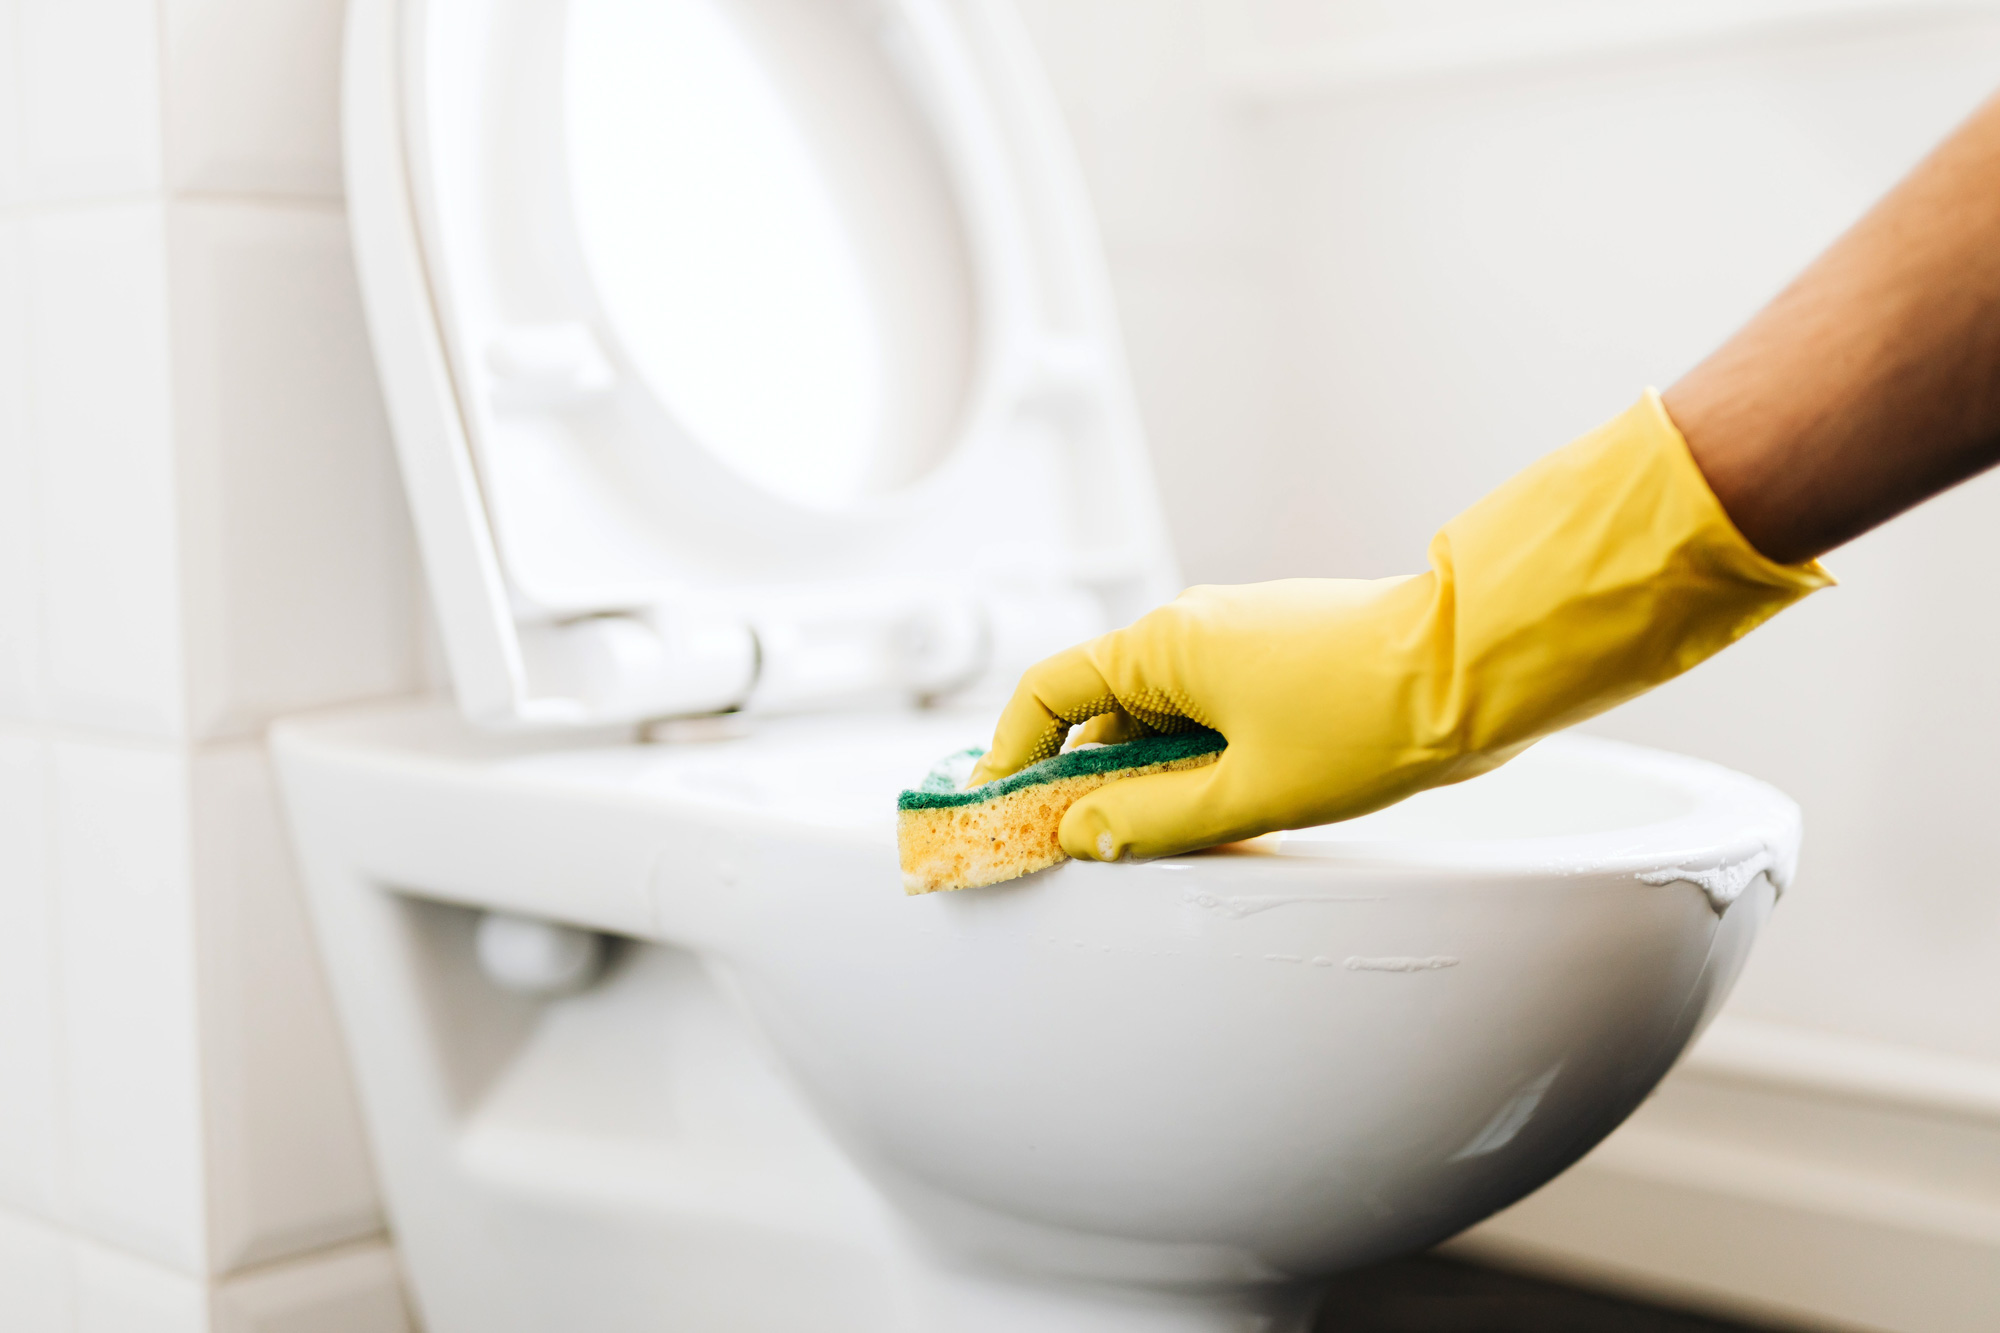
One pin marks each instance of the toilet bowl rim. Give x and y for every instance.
(1734, 821)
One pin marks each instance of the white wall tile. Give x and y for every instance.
(128, 998)
(20, 577)
(288, 1168)
(12, 185)
(101, 426)
(253, 96)
(90, 97)
(298, 571)
(116, 1293)
(35, 1278)
(354, 1290)
(32, 1152)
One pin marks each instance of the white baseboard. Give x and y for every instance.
(1789, 1175)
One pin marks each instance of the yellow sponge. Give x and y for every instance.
(949, 838)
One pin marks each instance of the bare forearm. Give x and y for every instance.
(1873, 381)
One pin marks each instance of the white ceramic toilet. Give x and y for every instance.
(762, 414)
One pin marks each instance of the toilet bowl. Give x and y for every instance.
(1168, 1095)
(712, 334)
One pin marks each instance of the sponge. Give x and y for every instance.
(950, 838)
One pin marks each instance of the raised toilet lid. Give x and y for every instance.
(740, 353)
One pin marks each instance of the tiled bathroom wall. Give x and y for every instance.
(200, 528)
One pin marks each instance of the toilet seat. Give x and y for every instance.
(592, 555)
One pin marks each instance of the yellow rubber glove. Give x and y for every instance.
(1601, 571)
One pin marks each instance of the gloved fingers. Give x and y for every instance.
(1054, 695)
(1160, 814)
(1113, 728)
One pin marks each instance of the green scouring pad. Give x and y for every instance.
(949, 837)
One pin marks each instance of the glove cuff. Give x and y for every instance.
(1729, 543)
(1604, 569)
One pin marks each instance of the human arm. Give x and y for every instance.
(1872, 382)
(1603, 570)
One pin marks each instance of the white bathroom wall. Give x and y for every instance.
(1373, 258)
(1191, 233)
(199, 529)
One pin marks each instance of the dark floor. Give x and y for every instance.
(1430, 1295)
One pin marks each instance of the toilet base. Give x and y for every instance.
(954, 1301)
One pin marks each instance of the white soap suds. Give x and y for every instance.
(1725, 883)
(956, 770)
(1434, 963)
(1242, 905)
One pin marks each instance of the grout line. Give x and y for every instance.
(314, 203)
(70, 1233)
(33, 208)
(162, 90)
(378, 1239)
(49, 730)
(28, 209)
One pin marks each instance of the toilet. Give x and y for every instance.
(761, 409)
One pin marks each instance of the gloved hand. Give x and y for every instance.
(1601, 571)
